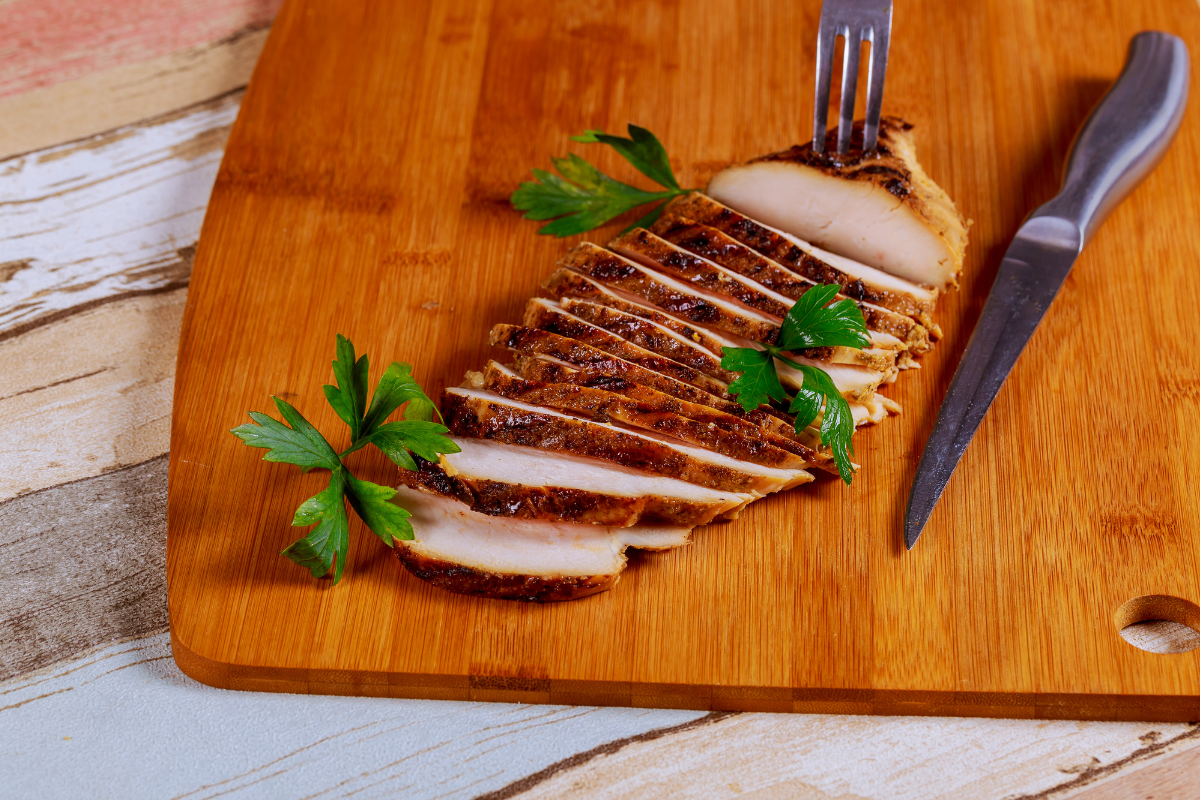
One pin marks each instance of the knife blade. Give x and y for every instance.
(1121, 141)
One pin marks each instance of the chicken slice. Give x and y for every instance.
(881, 208)
(533, 342)
(463, 551)
(605, 406)
(644, 247)
(486, 415)
(773, 430)
(673, 296)
(688, 364)
(722, 249)
(504, 480)
(858, 281)
(569, 283)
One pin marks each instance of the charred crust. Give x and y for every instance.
(526, 588)
(854, 163)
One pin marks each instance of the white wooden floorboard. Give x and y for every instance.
(114, 214)
(124, 722)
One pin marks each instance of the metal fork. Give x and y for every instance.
(857, 21)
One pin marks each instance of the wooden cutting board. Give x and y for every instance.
(365, 191)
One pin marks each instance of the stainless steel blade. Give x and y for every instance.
(1033, 270)
(1120, 143)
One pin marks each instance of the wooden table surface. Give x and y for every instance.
(113, 118)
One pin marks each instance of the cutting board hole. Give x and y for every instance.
(1159, 623)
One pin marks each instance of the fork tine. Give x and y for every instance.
(826, 40)
(849, 89)
(877, 69)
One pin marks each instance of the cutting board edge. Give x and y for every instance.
(698, 697)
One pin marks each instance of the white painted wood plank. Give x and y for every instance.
(88, 394)
(869, 758)
(123, 722)
(112, 215)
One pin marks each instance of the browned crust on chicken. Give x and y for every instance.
(722, 249)
(614, 271)
(528, 588)
(480, 418)
(605, 406)
(541, 317)
(705, 210)
(645, 334)
(775, 431)
(558, 503)
(568, 283)
(893, 167)
(658, 254)
(531, 341)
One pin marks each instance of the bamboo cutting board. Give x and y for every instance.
(365, 191)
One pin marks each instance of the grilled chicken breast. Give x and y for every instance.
(503, 480)
(485, 415)
(463, 551)
(615, 427)
(881, 208)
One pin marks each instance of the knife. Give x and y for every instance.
(1120, 143)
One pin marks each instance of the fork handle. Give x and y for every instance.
(1126, 134)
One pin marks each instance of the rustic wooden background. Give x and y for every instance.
(112, 122)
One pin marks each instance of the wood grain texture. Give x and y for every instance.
(51, 41)
(369, 173)
(90, 562)
(128, 93)
(132, 201)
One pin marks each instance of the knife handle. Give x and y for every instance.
(1126, 134)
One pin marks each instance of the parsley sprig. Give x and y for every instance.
(299, 442)
(585, 198)
(809, 323)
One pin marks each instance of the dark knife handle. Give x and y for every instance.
(1127, 133)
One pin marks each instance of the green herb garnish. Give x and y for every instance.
(588, 198)
(809, 323)
(299, 443)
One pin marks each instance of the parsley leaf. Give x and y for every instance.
(585, 198)
(386, 520)
(396, 387)
(326, 545)
(331, 538)
(837, 424)
(642, 149)
(301, 444)
(809, 323)
(759, 382)
(426, 439)
(349, 397)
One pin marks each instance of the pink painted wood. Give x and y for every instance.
(44, 42)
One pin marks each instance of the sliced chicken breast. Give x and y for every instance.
(675, 297)
(858, 281)
(486, 415)
(722, 249)
(880, 209)
(463, 551)
(605, 406)
(504, 480)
